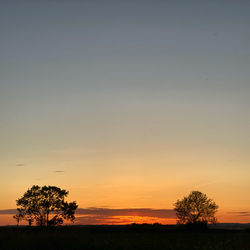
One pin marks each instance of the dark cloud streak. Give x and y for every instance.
(241, 213)
(143, 212)
(8, 211)
(107, 212)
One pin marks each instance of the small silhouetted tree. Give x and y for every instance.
(17, 217)
(196, 208)
(46, 206)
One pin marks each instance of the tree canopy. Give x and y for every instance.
(46, 206)
(196, 208)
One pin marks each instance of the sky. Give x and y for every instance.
(126, 104)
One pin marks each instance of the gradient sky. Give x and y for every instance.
(126, 104)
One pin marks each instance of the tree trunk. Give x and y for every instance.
(47, 218)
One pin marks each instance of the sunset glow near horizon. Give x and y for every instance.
(127, 105)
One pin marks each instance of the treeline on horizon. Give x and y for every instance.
(46, 207)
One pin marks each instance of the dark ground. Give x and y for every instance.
(121, 238)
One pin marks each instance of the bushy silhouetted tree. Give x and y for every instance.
(196, 208)
(46, 206)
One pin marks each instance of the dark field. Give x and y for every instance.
(121, 237)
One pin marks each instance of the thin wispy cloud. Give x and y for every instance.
(241, 213)
(59, 171)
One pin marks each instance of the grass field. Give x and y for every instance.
(121, 238)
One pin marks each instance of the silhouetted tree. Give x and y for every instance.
(46, 206)
(196, 208)
(17, 217)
